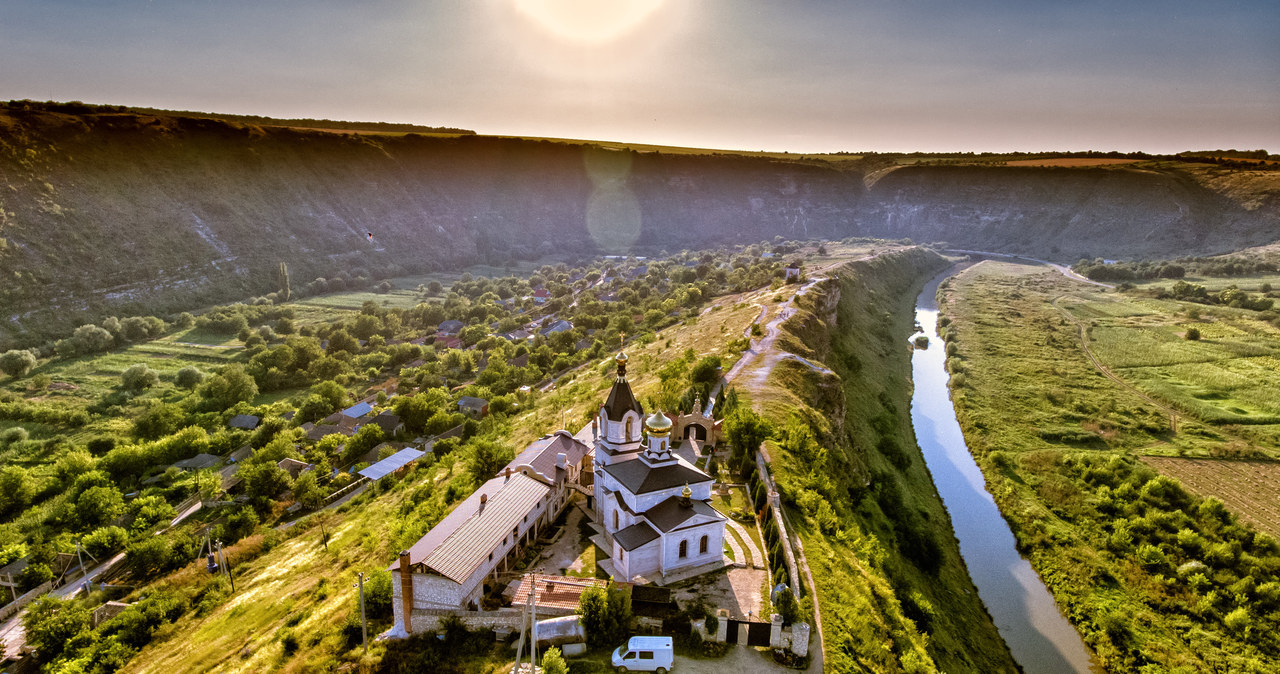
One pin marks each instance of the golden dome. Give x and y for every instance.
(658, 423)
(686, 492)
(620, 358)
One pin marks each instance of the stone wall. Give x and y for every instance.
(425, 620)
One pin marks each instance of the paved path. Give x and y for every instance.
(13, 635)
(742, 659)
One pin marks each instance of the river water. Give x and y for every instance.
(1039, 637)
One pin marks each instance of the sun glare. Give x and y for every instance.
(589, 22)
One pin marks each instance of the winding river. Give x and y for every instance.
(1028, 619)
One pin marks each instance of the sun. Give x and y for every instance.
(588, 22)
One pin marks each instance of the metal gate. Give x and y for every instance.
(748, 632)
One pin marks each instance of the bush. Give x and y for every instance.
(553, 662)
(17, 363)
(13, 435)
(138, 377)
(34, 576)
(189, 377)
(1193, 334)
(377, 595)
(104, 541)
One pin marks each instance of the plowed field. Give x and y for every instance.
(1251, 489)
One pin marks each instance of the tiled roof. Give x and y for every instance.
(457, 555)
(553, 592)
(641, 478)
(635, 536)
(540, 455)
(670, 515)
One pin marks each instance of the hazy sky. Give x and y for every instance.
(794, 75)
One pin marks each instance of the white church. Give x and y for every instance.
(653, 506)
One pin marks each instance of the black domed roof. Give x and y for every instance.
(620, 397)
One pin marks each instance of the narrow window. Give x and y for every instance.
(615, 519)
(627, 437)
(684, 549)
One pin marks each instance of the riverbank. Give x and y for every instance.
(1154, 578)
(891, 584)
(1039, 636)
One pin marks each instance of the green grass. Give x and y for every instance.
(851, 533)
(1055, 440)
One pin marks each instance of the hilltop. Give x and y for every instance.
(107, 211)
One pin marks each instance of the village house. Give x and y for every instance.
(450, 327)
(474, 407)
(244, 422)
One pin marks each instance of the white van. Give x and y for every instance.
(645, 654)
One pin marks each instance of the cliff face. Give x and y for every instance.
(124, 212)
(122, 208)
(1068, 213)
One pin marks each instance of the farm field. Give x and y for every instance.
(1071, 161)
(1228, 379)
(1068, 454)
(1249, 488)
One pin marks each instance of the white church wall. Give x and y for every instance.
(671, 560)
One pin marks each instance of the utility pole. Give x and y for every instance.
(533, 623)
(364, 626)
(226, 565)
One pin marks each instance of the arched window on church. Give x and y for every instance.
(702, 545)
(684, 549)
(615, 519)
(627, 437)
(662, 446)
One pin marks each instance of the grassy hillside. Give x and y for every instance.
(892, 588)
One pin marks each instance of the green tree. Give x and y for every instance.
(149, 511)
(1193, 334)
(104, 541)
(35, 575)
(17, 363)
(150, 555)
(98, 505)
(487, 458)
(86, 339)
(745, 430)
(341, 340)
(189, 377)
(263, 481)
(605, 614)
(307, 491)
(51, 623)
(365, 439)
(314, 408)
(138, 377)
(282, 278)
(158, 421)
(16, 489)
(230, 386)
